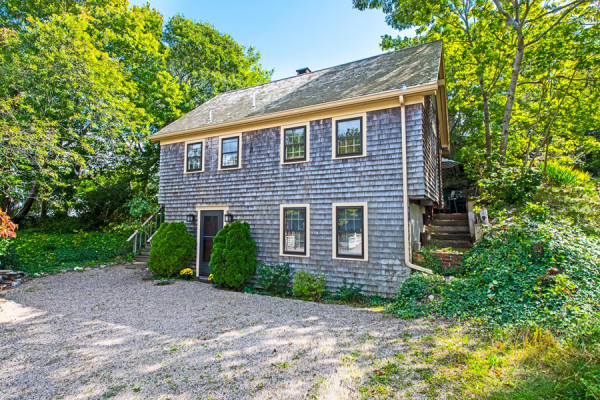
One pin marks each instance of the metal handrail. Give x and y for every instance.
(145, 232)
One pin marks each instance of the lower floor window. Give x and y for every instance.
(350, 231)
(294, 230)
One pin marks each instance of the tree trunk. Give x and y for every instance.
(512, 89)
(486, 121)
(7, 204)
(43, 212)
(28, 203)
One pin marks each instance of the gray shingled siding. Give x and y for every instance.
(431, 150)
(254, 194)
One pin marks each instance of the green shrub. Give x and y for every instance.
(233, 260)
(33, 252)
(172, 249)
(308, 286)
(349, 292)
(274, 278)
(531, 274)
(510, 185)
(414, 296)
(566, 175)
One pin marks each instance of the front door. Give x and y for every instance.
(211, 222)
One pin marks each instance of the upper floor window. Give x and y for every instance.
(295, 230)
(350, 237)
(194, 157)
(294, 144)
(349, 137)
(230, 152)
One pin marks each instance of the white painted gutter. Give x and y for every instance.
(405, 201)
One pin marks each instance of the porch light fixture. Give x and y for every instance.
(228, 217)
(191, 217)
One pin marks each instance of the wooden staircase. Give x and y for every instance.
(451, 230)
(141, 260)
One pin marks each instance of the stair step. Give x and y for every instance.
(451, 217)
(142, 258)
(456, 244)
(145, 253)
(140, 263)
(451, 222)
(451, 236)
(451, 229)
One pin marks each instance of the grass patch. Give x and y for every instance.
(33, 252)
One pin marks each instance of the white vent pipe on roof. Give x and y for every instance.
(253, 100)
(405, 201)
(209, 116)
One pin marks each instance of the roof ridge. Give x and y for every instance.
(328, 68)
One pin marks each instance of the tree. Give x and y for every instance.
(501, 97)
(84, 82)
(208, 62)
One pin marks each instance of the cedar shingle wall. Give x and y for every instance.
(254, 194)
(431, 150)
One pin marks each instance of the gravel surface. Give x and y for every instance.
(108, 333)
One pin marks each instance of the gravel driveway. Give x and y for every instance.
(109, 334)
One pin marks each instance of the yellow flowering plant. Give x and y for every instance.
(186, 273)
(210, 277)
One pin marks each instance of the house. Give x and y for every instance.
(334, 170)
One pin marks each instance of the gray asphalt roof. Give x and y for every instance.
(413, 66)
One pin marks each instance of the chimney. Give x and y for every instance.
(302, 71)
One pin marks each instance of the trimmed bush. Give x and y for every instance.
(308, 286)
(274, 278)
(172, 249)
(233, 260)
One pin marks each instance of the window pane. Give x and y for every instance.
(294, 230)
(194, 156)
(230, 159)
(349, 136)
(294, 140)
(230, 145)
(349, 231)
(229, 152)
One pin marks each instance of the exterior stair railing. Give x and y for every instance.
(146, 231)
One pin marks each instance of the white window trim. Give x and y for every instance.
(282, 143)
(334, 206)
(239, 136)
(281, 238)
(334, 135)
(199, 210)
(185, 153)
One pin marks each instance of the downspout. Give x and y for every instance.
(407, 259)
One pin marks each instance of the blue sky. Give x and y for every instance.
(290, 34)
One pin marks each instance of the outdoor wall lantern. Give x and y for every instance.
(228, 217)
(191, 217)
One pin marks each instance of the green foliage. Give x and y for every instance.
(274, 278)
(308, 286)
(349, 292)
(566, 175)
(233, 259)
(172, 250)
(575, 204)
(418, 296)
(83, 84)
(532, 273)
(511, 185)
(41, 252)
